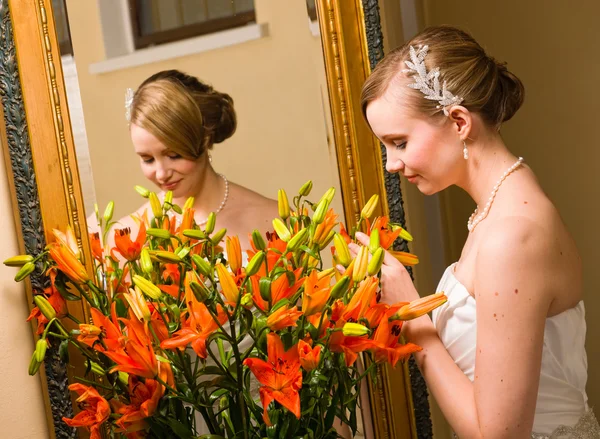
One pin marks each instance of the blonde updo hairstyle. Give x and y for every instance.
(486, 86)
(185, 114)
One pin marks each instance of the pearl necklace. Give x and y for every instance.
(475, 219)
(222, 205)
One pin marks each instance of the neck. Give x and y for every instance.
(488, 160)
(208, 194)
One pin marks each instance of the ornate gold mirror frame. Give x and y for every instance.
(39, 150)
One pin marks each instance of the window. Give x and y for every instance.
(62, 27)
(163, 21)
(311, 8)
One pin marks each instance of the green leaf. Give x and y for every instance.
(310, 252)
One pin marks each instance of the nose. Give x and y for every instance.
(394, 165)
(162, 172)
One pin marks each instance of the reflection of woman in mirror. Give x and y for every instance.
(505, 356)
(175, 120)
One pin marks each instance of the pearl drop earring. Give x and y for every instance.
(465, 150)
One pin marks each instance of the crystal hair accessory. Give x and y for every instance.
(428, 83)
(128, 103)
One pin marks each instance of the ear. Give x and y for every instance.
(462, 121)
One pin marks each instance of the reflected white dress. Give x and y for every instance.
(561, 411)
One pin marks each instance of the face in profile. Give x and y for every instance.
(165, 168)
(425, 150)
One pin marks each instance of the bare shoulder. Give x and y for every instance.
(249, 202)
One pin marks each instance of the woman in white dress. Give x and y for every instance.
(505, 356)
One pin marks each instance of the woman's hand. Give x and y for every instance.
(396, 284)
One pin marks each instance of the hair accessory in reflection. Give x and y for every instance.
(128, 102)
(428, 83)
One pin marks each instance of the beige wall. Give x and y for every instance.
(21, 402)
(553, 47)
(277, 83)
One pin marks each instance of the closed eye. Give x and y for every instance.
(400, 146)
(147, 160)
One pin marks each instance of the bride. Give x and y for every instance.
(505, 356)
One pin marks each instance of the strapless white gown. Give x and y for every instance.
(561, 411)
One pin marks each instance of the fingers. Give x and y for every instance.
(340, 268)
(362, 238)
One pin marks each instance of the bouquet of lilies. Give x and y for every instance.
(182, 328)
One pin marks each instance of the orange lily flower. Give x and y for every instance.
(104, 330)
(187, 222)
(129, 249)
(228, 286)
(171, 271)
(283, 318)
(137, 359)
(386, 347)
(67, 239)
(386, 235)
(350, 346)
(97, 250)
(362, 300)
(234, 253)
(197, 327)
(281, 288)
(68, 263)
(158, 324)
(309, 357)
(316, 293)
(171, 290)
(143, 398)
(58, 303)
(280, 376)
(95, 410)
(274, 248)
(322, 230)
(260, 303)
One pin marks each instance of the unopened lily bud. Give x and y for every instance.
(194, 234)
(201, 264)
(211, 221)
(325, 242)
(199, 291)
(369, 208)
(182, 252)
(264, 286)
(189, 203)
(97, 369)
(258, 240)
(420, 307)
(165, 256)
(147, 287)
(374, 242)
(169, 197)
(255, 263)
(281, 230)
(137, 304)
(376, 262)
(407, 259)
(325, 273)
(108, 212)
(283, 204)
(142, 191)
(146, 261)
(218, 237)
(176, 208)
(155, 205)
(360, 264)
(354, 330)
(18, 261)
(159, 233)
(45, 307)
(34, 365)
(340, 287)
(328, 195)
(246, 300)
(40, 349)
(403, 233)
(298, 239)
(25, 271)
(341, 249)
(306, 188)
(321, 211)
(123, 377)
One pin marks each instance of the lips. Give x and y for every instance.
(171, 186)
(411, 178)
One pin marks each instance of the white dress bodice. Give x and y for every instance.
(562, 400)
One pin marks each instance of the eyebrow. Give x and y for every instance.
(393, 136)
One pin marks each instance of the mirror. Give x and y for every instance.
(242, 48)
(39, 133)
